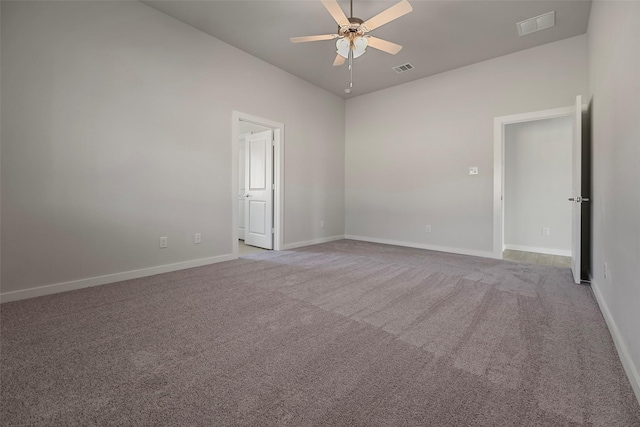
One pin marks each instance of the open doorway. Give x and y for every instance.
(531, 213)
(537, 182)
(257, 156)
(578, 263)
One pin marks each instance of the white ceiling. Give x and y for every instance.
(437, 36)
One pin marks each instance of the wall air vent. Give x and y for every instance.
(402, 68)
(538, 23)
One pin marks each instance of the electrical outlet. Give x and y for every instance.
(164, 242)
(428, 229)
(473, 170)
(321, 224)
(545, 231)
(197, 238)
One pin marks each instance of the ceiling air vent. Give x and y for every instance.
(538, 23)
(402, 68)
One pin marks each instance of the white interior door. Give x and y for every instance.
(258, 205)
(241, 185)
(576, 197)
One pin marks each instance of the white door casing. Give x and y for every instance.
(576, 186)
(258, 183)
(241, 185)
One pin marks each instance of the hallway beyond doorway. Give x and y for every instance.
(248, 250)
(536, 258)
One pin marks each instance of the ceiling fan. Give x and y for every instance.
(352, 32)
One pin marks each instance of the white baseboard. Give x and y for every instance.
(623, 352)
(109, 278)
(312, 242)
(460, 251)
(561, 252)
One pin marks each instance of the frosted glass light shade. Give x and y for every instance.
(343, 46)
(360, 46)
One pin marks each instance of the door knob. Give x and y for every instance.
(247, 195)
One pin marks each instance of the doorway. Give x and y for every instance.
(537, 182)
(575, 196)
(257, 182)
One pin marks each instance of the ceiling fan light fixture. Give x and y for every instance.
(343, 45)
(352, 38)
(359, 46)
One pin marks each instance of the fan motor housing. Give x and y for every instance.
(355, 26)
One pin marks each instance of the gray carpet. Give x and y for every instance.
(344, 333)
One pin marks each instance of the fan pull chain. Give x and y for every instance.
(350, 69)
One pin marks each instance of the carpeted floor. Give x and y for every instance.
(343, 334)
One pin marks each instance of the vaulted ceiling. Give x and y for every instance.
(437, 36)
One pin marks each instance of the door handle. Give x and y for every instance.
(578, 199)
(247, 195)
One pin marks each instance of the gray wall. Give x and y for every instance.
(116, 130)
(614, 88)
(408, 148)
(537, 184)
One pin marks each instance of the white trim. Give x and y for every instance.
(278, 181)
(499, 125)
(109, 278)
(460, 251)
(278, 169)
(623, 352)
(548, 251)
(312, 242)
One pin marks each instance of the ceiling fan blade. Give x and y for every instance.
(338, 61)
(336, 11)
(394, 12)
(384, 45)
(313, 38)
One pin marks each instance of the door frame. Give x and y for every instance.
(499, 128)
(240, 143)
(278, 176)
